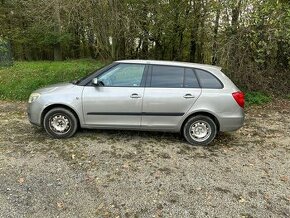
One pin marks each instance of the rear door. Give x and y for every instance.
(170, 92)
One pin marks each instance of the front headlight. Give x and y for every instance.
(33, 97)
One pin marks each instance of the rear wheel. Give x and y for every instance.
(199, 130)
(60, 123)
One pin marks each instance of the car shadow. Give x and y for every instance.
(221, 141)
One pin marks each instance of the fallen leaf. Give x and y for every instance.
(267, 197)
(284, 178)
(21, 180)
(60, 205)
(73, 156)
(241, 199)
(126, 165)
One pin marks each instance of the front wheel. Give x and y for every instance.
(60, 123)
(199, 130)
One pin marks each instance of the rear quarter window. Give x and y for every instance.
(208, 80)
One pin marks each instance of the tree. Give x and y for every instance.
(249, 39)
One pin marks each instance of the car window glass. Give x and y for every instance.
(167, 76)
(190, 80)
(123, 75)
(207, 80)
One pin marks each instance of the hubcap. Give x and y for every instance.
(200, 131)
(59, 123)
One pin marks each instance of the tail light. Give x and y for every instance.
(240, 98)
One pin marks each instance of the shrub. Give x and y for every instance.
(257, 98)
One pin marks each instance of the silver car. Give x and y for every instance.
(194, 99)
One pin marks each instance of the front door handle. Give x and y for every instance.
(188, 96)
(135, 95)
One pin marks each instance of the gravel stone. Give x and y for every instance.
(102, 173)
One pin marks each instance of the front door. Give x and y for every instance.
(117, 100)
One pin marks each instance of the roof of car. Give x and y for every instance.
(171, 63)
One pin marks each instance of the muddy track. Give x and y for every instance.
(146, 174)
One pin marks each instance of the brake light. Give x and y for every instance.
(240, 98)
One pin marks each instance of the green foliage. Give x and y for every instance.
(249, 38)
(6, 58)
(17, 82)
(257, 98)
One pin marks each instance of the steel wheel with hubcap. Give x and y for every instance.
(199, 130)
(60, 123)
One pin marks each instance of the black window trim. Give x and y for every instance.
(199, 86)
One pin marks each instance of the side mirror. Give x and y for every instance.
(95, 82)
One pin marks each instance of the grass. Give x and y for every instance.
(18, 81)
(257, 98)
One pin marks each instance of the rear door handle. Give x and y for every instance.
(135, 95)
(188, 96)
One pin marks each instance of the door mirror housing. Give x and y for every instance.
(95, 82)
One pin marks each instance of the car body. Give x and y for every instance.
(142, 95)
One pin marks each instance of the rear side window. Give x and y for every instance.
(173, 77)
(207, 80)
(167, 76)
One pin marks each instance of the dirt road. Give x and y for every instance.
(145, 174)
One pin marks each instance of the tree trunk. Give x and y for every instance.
(145, 45)
(193, 44)
(158, 50)
(122, 46)
(214, 59)
(114, 49)
(234, 59)
(76, 46)
(57, 29)
(145, 38)
(92, 41)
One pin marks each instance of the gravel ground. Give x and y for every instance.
(145, 174)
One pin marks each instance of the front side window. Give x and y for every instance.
(167, 77)
(123, 75)
(207, 80)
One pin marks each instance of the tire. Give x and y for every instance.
(206, 130)
(60, 123)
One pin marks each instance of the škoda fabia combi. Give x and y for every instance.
(194, 99)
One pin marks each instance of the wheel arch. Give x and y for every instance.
(48, 108)
(204, 113)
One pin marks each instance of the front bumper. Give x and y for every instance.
(34, 113)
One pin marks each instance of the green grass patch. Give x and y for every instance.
(257, 98)
(18, 81)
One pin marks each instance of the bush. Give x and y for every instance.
(257, 98)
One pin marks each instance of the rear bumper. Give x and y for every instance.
(228, 124)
